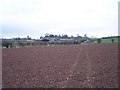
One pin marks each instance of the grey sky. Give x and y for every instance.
(36, 17)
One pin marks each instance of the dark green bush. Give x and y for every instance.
(99, 40)
(112, 40)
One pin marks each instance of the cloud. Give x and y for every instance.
(60, 16)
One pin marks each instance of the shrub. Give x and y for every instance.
(99, 40)
(6, 44)
(112, 40)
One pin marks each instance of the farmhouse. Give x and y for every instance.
(65, 39)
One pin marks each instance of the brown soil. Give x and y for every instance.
(67, 66)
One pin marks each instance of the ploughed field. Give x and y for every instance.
(67, 66)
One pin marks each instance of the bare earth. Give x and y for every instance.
(68, 66)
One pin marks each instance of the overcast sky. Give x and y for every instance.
(96, 18)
